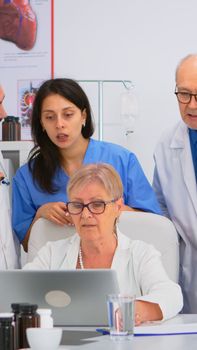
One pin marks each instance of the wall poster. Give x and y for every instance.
(26, 54)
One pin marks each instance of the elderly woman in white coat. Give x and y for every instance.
(175, 177)
(95, 192)
(8, 247)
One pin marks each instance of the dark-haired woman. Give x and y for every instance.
(62, 127)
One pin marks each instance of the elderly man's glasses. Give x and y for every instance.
(185, 97)
(96, 207)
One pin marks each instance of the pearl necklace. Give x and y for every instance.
(80, 259)
(81, 265)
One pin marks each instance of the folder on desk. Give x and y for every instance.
(181, 324)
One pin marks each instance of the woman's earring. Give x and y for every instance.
(84, 124)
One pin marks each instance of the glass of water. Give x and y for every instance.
(120, 316)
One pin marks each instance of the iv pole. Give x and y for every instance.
(127, 84)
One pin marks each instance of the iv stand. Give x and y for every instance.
(127, 84)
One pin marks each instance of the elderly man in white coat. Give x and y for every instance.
(8, 243)
(175, 177)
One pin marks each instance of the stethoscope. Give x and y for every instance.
(4, 180)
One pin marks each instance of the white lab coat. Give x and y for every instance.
(175, 185)
(9, 246)
(138, 265)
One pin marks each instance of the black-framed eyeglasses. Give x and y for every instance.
(95, 207)
(185, 97)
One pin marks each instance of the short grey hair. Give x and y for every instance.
(101, 173)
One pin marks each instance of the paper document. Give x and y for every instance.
(181, 324)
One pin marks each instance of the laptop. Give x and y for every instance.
(76, 297)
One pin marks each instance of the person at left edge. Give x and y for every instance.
(9, 247)
(62, 127)
(2, 115)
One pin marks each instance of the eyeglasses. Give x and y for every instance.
(185, 97)
(96, 207)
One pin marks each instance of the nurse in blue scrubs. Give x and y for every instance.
(62, 127)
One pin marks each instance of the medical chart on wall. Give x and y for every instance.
(26, 54)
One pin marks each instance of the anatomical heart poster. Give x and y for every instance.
(26, 54)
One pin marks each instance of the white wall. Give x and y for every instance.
(139, 40)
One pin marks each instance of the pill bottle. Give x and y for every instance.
(16, 308)
(46, 321)
(27, 318)
(11, 129)
(7, 340)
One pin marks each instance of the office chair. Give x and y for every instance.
(43, 231)
(156, 230)
(151, 228)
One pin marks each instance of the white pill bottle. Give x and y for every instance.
(46, 320)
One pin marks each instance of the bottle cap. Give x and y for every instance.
(44, 311)
(28, 308)
(9, 118)
(6, 314)
(16, 307)
(6, 317)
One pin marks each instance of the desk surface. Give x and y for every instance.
(88, 339)
(171, 342)
(76, 340)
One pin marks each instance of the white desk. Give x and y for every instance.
(88, 339)
(170, 342)
(82, 339)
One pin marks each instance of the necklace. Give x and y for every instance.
(80, 255)
(80, 259)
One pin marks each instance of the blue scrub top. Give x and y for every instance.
(28, 196)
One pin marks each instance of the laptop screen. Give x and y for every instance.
(76, 297)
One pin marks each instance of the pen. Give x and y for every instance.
(103, 331)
